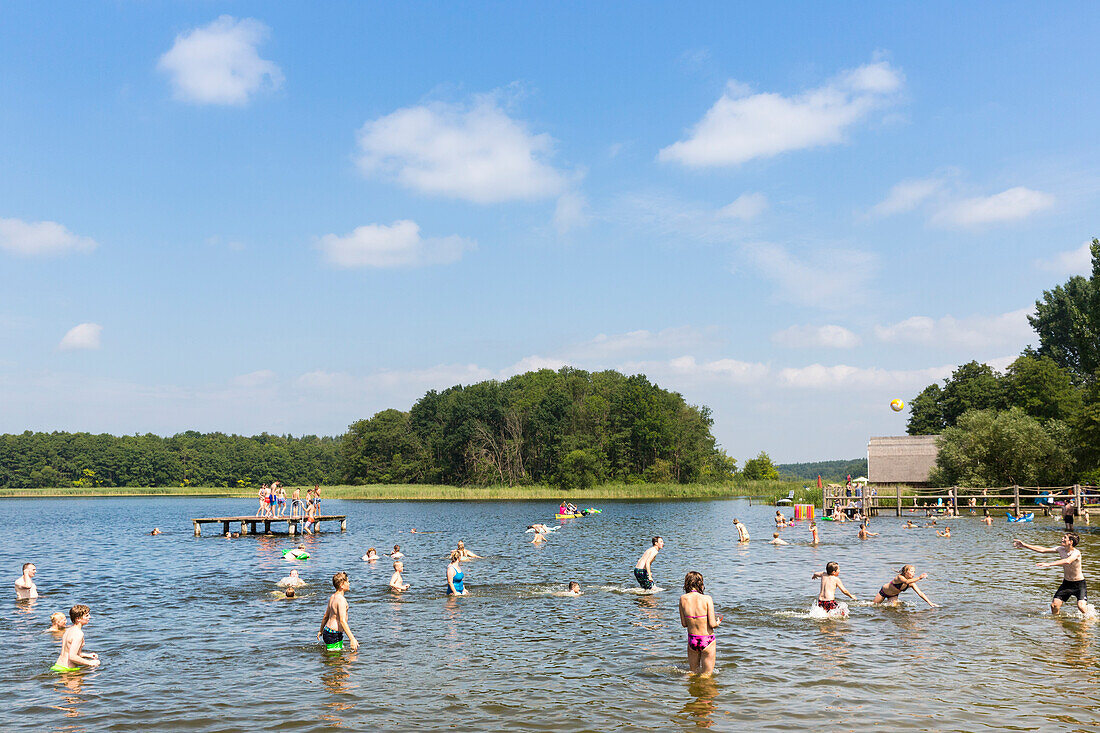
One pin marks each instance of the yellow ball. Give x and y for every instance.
(897, 405)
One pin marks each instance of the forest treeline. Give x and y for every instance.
(568, 428)
(827, 470)
(1036, 423)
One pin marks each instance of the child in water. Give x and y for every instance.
(697, 615)
(742, 531)
(397, 583)
(864, 534)
(830, 584)
(72, 656)
(813, 533)
(371, 555)
(945, 533)
(776, 541)
(57, 622)
(574, 588)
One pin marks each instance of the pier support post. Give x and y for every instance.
(225, 527)
(344, 524)
(198, 532)
(267, 527)
(898, 505)
(290, 527)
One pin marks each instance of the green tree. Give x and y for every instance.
(1067, 320)
(1042, 389)
(760, 468)
(579, 469)
(972, 386)
(926, 412)
(1001, 448)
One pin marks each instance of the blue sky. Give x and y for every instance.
(253, 216)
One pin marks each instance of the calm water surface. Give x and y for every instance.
(192, 639)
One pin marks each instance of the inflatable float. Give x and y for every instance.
(568, 516)
(295, 554)
(1026, 518)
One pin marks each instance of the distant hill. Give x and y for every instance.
(828, 470)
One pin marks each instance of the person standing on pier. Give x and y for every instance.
(1073, 580)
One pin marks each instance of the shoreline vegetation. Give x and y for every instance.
(765, 491)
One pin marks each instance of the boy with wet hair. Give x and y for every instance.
(397, 583)
(1073, 580)
(643, 569)
(334, 624)
(830, 584)
(72, 657)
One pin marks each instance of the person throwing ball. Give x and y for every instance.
(1073, 580)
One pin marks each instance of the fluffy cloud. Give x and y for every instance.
(571, 212)
(631, 343)
(817, 376)
(32, 238)
(831, 279)
(1012, 205)
(83, 336)
(397, 245)
(474, 152)
(745, 207)
(907, 195)
(742, 126)
(218, 63)
(1006, 329)
(830, 336)
(254, 379)
(1074, 262)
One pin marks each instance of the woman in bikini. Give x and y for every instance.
(905, 579)
(698, 617)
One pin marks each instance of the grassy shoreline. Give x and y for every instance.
(762, 490)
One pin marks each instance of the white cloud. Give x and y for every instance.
(571, 212)
(32, 238)
(1074, 262)
(1006, 329)
(742, 126)
(828, 278)
(1013, 204)
(907, 195)
(396, 245)
(83, 336)
(254, 379)
(617, 346)
(725, 371)
(474, 152)
(745, 207)
(829, 336)
(817, 376)
(218, 63)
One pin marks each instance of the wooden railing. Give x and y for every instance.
(875, 498)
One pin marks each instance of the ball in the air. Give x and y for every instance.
(897, 405)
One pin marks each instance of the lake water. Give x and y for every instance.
(191, 639)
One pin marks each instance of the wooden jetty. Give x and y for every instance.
(248, 524)
(875, 498)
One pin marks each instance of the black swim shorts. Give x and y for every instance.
(328, 636)
(1069, 588)
(643, 578)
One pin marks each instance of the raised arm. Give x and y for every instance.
(1034, 548)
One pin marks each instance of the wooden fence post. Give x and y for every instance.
(1016, 499)
(1077, 498)
(898, 487)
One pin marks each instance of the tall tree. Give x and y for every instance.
(1067, 320)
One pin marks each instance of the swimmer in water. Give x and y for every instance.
(466, 554)
(776, 541)
(945, 533)
(24, 584)
(156, 531)
(334, 624)
(57, 622)
(742, 531)
(574, 588)
(643, 569)
(291, 581)
(396, 554)
(909, 525)
(371, 555)
(72, 657)
(864, 534)
(905, 579)
(455, 576)
(830, 584)
(698, 617)
(288, 594)
(538, 539)
(397, 583)
(780, 520)
(1073, 580)
(813, 533)
(987, 520)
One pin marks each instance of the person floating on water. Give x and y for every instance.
(397, 583)
(909, 525)
(371, 556)
(156, 531)
(574, 588)
(72, 657)
(291, 581)
(742, 531)
(334, 624)
(643, 569)
(830, 584)
(455, 575)
(1073, 580)
(776, 541)
(57, 622)
(538, 539)
(698, 617)
(905, 579)
(24, 584)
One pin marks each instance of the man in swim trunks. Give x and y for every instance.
(643, 569)
(24, 584)
(72, 643)
(1073, 580)
(1068, 512)
(830, 584)
(334, 624)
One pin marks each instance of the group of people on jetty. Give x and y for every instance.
(273, 502)
(696, 607)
